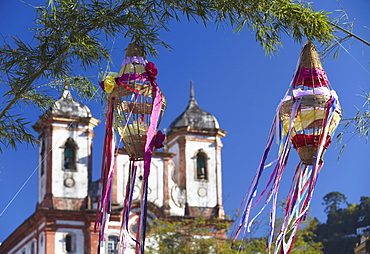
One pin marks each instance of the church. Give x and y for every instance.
(185, 180)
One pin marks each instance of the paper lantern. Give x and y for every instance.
(306, 119)
(310, 85)
(135, 108)
(136, 97)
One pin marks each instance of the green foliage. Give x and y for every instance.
(333, 200)
(188, 236)
(72, 33)
(305, 240)
(269, 19)
(12, 130)
(357, 126)
(338, 234)
(202, 236)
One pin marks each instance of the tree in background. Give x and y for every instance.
(188, 236)
(337, 236)
(201, 236)
(304, 241)
(339, 233)
(333, 200)
(73, 33)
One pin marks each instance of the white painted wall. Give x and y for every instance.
(78, 240)
(41, 243)
(42, 178)
(155, 190)
(174, 148)
(193, 185)
(156, 182)
(121, 176)
(177, 196)
(80, 176)
(129, 236)
(24, 244)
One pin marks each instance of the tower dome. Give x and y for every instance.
(194, 116)
(67, 106)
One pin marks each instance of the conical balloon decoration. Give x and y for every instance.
(306, 120)
(135, 108)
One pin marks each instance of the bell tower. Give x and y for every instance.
(195, 138)
(65, 135)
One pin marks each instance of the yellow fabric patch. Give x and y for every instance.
(132, 68)
(133, 129)
(307, 117)
(109, 84)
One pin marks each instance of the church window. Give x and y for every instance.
(70, 149)
(41, 240)
(68, 243)
(134, 226)
(42, 157)
(33, 248)
(201, 165)
(112, 245)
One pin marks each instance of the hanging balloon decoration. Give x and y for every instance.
(306, 119)
(135, 108)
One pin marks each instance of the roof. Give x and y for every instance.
(66, 105)
(194, 116)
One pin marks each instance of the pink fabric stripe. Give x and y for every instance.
(150, 136)
(144, 77)
(310, 77)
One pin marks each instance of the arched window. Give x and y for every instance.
(135, 224)
(68, 243)
(112, 245)
(42, 157)
(202, 172)
(41, 240)
(70, 149)
(33, 248)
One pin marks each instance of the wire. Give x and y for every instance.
(33, 172)
(20, 189)
(352, 57)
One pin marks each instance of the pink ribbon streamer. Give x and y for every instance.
(107, 173)
(301, 193)
(148, 151)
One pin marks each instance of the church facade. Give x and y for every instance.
(185, 181)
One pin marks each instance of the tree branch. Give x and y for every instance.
(349, 33)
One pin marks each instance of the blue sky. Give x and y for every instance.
(235, 81)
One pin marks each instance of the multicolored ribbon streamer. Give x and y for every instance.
(305, 120)
(131, 92)
(148, 150)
